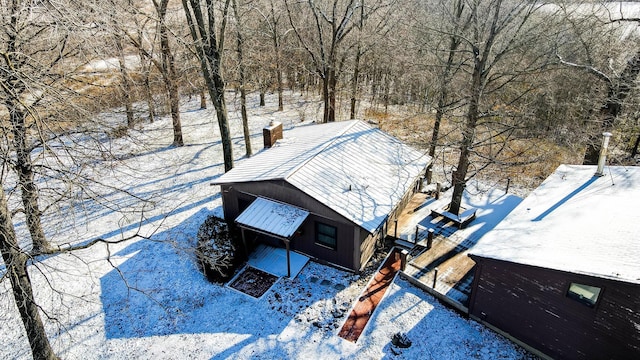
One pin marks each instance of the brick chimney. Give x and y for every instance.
(272, 133)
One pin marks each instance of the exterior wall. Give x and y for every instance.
(531, 304)
(349, 235)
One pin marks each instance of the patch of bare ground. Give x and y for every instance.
(253, 282)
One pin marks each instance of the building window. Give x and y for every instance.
(326, 235)
(585, 294)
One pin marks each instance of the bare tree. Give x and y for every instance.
(30, 51)
(209, 44)
(271, 18)
(619, 81)
(15, 261)
(447, 68)
(497, 29)
(242, 76)
(126, 80)
(332, 22)
(169, 71)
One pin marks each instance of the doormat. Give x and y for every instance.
(253, 282)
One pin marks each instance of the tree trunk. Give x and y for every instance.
(262, 103)
(276, 49)
(243, 94)
(149, 94)
(170, 77)
(443, 94)
(126, 82)
(146, 73)
(16, 270)
(203, 99)
(354, 83)
(459, 175)
(468, 136)
(209, 52)
(17, 116)
(331, 116)
(28, 188)
(634, 150)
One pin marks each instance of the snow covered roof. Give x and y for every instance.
(356, 170)
(575, 222)
(281, 220)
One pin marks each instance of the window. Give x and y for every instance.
(585, 294)
(326, 235)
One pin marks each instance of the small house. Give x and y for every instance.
(325, 190)
(561, 273)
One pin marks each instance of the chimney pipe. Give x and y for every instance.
(603, 153)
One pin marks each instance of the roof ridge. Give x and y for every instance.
(322, 148)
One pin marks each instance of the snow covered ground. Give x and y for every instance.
(145, 298)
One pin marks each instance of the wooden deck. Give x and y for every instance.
(454, 268)
(448, 253)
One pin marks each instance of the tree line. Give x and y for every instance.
(502, 73)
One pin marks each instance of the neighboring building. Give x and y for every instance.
(561, 272)
(325, 190)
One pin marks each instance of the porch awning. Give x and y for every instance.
(272, 218)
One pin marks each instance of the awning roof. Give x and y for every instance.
(273, 218)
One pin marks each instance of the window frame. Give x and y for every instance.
(579, 298)
(319, 233)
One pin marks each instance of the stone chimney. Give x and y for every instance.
(272, 133)
(603, 153)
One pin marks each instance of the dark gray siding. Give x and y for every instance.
(531, 304)
(350, 236)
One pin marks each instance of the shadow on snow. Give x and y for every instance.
(157, 289)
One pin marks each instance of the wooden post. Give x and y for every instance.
(508, 183)
(286, 243)
(435, 276)
(415, 239)
(403, 259)
(438, 189)
(244, 244)
(429, 239)
(395, 229)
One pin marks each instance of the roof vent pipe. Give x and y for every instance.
(603, 153)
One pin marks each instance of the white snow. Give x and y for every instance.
(279, 219)
(145, 298)
(358, 171)
(576, 222)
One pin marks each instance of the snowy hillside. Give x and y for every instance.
(146, 299)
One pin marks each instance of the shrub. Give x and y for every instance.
(217, 250)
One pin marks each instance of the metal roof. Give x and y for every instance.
(271, 217)
(356, 170)
(575, 222)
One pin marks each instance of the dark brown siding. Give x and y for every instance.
(350, 236)
(530, 303)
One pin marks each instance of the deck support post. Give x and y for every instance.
(395, 229)
(430, 239)
(435, 277)
(403, 259)
(286, 243)
(244, 244)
